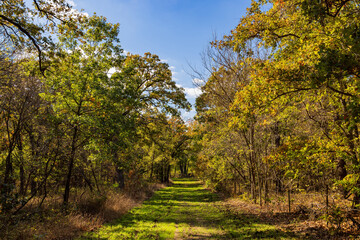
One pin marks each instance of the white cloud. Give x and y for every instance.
(112, 71)
(78, 13)
(172, 69)
(173, 73)
(188, 115)
(193, 92)
(72, 3)
(67, 13)
(199, 82)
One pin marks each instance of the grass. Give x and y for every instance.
(186, 211)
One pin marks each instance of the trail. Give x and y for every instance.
(184, 211)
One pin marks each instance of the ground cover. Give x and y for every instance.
(186, 210)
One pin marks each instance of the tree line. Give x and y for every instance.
(280, 104)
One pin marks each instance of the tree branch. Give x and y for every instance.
(26, 32)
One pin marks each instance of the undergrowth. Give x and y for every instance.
(87, 212)
(309, 217)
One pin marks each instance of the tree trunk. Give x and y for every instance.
(120, 177)
(21, 170)
(70, 167)
(22, 180)
(279, 186)
(235, 190)
(33, 187)
(152, 168)
(289, 200)
(95, 179)
(168, 173)
(87, 181)
(8, 173)
(266, 191)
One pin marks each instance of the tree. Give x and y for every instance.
(74, 82)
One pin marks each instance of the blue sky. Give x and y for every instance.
(176, 30)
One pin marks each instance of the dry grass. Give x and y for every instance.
(89, 211)
(308, 217)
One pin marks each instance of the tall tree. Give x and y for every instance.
(78, 70)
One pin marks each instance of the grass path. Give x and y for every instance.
(184, 211)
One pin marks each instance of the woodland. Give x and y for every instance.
(88, 132)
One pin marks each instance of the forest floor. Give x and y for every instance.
(186, 210)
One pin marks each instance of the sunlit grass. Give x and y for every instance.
(184, 211)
